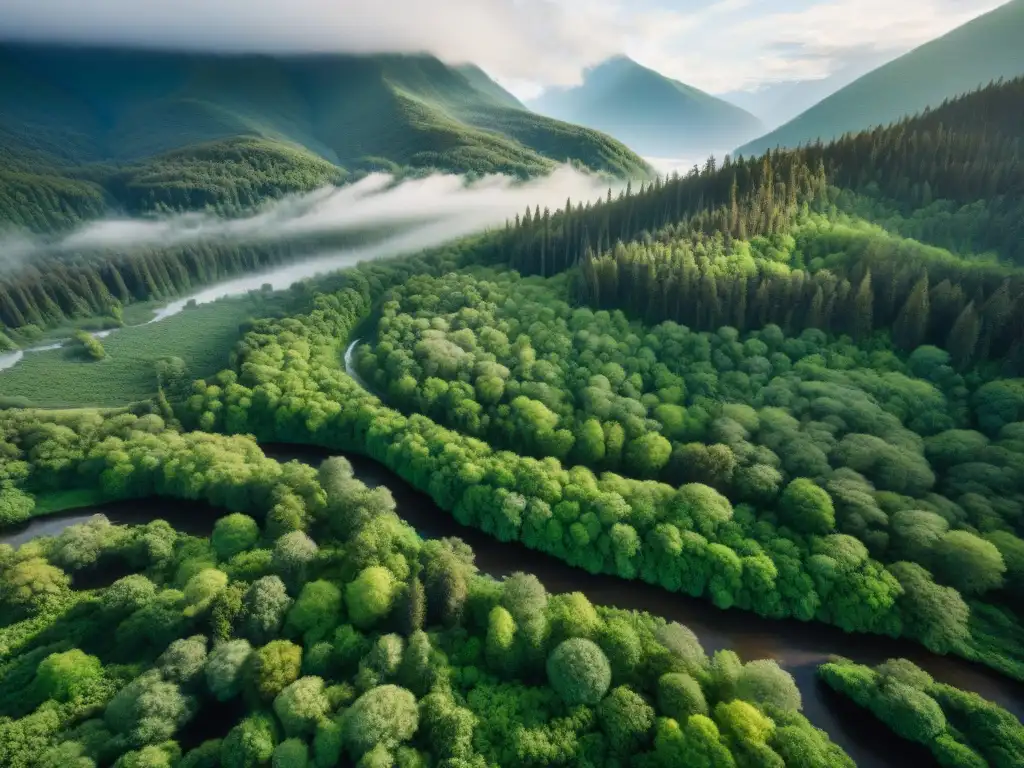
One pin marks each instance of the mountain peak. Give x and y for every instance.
(654, 114)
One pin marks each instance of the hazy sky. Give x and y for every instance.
(717, 45)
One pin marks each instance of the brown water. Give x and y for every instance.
(799, 647)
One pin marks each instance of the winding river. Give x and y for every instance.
(798, 647)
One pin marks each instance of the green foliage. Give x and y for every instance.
(807, 508)
(275, 666)
(204, 336)
(65, 676)
(579, 671)
(225, 668)
(233, 534)
(370, 597)
(680, 696)
(766, 684)
(148, 710)
(250, 743)
(383, 716)
(301, 705)
(960, 728)
(316, 612)
(908, 84)
(184, 661)
(626, 719)
(16, 506)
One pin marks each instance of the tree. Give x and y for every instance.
(648, 454)
(250, 744)
(16, 506)
(68, 675)
(275, 666)
(128, 594)
(148, 710)
(764, 682)
(385, 716)
(291, 753)
(233, 534)
(225, 668)
(969, 563)
(293, 554)
(936, 615)
(203, 589)
(501, 635)
(913, 714)
(682, 643)
(963, 337)
(316, 612)
(369, 598)
(264, 607)
(697, 744)
(805, 507)
(32, 583)
(626, 720)
(184, 660)
(164, 755)
(680, 696)
(579, 671)
(301, 705)
(911, 326)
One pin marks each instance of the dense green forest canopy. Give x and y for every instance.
(79, 137)
(980, 52)
(960, 728)
(314, 626)
(787, 385)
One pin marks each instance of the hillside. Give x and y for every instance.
(983, 50)
(482, 82)
(83, 130)
(651, 113)
(777, 103)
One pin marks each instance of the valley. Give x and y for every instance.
(357, 410)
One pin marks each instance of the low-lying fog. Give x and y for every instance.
(446, 204)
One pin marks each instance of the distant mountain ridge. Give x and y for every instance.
(140, 129)
(651, 113)
(986, 49)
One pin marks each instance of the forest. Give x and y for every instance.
(788, 386)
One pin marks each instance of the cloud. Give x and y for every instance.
(529, 39)
(743, 46)
(442, 205)
(717, 45)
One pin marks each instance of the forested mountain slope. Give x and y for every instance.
(85, 129)
(982, 51)
(789, 238)
(648, 111)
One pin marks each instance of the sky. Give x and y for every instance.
(527, 45)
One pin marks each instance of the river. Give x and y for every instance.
(798, 647)
(408, 240)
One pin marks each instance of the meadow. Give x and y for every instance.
(202, 336)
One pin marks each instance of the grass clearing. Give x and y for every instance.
(202, 336)
(51, 502)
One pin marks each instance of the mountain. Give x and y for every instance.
(981, 51)
(83, 130)
(483, 83)
(777, 103)
(651, 113)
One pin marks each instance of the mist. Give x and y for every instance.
(442, 206)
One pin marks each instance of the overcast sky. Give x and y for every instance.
(717, 45)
